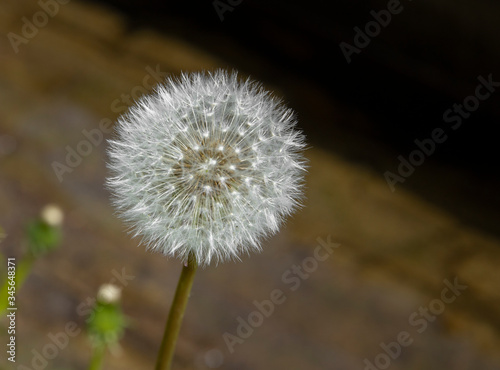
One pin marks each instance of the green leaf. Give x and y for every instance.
(42, 237)
(108, 324)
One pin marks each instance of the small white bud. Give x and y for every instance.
(52, 215)
(109, 293)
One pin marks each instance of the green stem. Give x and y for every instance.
(176, 314)
(97, 357)
(23, 269)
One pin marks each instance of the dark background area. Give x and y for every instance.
(425, 60)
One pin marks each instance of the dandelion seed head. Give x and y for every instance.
(206, 164)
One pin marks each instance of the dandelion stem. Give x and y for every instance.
(97, 358)
(176, 315)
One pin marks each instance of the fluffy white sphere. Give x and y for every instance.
(207, 164)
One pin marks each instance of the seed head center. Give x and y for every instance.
(208, 168)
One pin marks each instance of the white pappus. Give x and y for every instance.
(208, 164)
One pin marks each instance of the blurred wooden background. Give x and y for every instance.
(90, 58)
